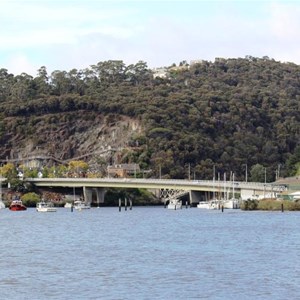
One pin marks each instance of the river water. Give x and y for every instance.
(149, 253)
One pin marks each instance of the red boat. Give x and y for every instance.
(17, 205)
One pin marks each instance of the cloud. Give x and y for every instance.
(285, 20)
(283, 25)
(41, 23)
(20, 63)
(75, 34)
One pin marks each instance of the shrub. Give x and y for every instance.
(30, 199)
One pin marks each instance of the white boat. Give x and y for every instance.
(45, 207)
(212, 204)
(68, 205)
(231, 203)
(203, 205)
(79, 205)
(175, 204)
(2, 205)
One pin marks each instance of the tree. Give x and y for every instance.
(60, 82)
(78, 167)
(30, 199)
(8, 171)
(257, 173)
(42, 81)
(6, 83)
(293, 162)
(23, 88)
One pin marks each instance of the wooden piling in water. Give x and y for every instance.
(125, 203)
(120, 204)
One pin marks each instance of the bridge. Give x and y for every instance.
(169, 188)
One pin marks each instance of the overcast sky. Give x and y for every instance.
(67, 34)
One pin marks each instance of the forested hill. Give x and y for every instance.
(224, 115)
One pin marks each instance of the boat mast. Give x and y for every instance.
(225, 195)
(233, 186)
(214, 175)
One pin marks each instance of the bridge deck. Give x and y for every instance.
(195, 185)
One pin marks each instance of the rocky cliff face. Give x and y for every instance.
(75, 135)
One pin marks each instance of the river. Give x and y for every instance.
(149, 253)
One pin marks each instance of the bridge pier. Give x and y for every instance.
(196, 196)
(87, 195)
(100, 193)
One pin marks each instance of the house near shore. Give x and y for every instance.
(123, 170)
(294, 196)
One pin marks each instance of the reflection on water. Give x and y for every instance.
(149, 253)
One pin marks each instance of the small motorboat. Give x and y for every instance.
(231, 203)
(45, 207)
(203, 205)
(79, 205)
(175, 204)
(17, 205)
(211, 204)
(68, 205)
(2, 205)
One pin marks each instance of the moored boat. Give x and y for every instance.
(79, 205)
(212, 204)
(45, 207)
(203, 205)
(231, 203)
(175, 204)
(2, 205)
(17, 205)
(68, 205)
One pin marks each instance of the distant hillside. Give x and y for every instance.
(223, 115)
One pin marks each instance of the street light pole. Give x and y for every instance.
(246, 172)
(159, 171)
(214, 177)
(214, 172)
(265, 182)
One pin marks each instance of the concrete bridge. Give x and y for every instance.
(169, 188)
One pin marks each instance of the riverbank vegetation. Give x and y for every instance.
(138, 197)
(270, 205)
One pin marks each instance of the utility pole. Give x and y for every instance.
(265, 175)
(159, 171)
(246, 172)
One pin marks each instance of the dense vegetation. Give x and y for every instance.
(224, 115)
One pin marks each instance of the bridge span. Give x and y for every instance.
(169, 187)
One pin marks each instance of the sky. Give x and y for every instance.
(75, 34)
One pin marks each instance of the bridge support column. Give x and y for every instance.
(88, 195)
(195, 196)
(100, 193)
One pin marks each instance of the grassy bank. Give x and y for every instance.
(270, 205)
